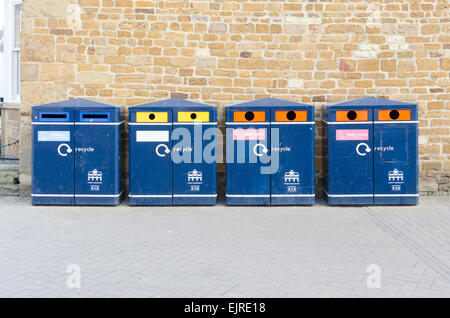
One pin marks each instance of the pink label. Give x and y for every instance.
(249, 134)
(352, 134)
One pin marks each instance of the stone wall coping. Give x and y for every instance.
(10, 105)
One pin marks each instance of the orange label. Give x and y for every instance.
(352, 115)
(400, 114)
(249, 116)
(291, 115)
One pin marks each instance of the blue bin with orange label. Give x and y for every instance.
(270, 153)
(372, 147)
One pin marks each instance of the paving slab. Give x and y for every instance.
(220, 251)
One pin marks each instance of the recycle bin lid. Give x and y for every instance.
(269, 102)
(77, 103)
(370, 102)
(173, 103)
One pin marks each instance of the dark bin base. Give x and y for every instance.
(375, 200)
(396, 200)
(49, 200)
(149, 201)
(248, 200)
(97, 201)
(292, 200)
(350, 200)
(194, 200)
(172, 201)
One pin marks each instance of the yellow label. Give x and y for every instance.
(189, 117)
(151, 117)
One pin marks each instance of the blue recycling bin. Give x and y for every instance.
(76, 155)
(270, 153)
(172, 158)
(372, 152)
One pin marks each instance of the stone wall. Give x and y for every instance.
(9, 177)
(225, 52)
(10, 127)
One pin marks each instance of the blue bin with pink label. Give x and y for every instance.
(270, 153)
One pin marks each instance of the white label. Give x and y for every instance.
(152, 136)
(48, 135)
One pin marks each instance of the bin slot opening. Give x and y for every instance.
(94, 116)
(394, 114)
(53, 116)
(249, 116)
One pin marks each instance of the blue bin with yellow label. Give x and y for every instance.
(270, 153)
(172, 153)
(76, 153)
(372, 152)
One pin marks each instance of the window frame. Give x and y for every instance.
(12, 71)
(15, 68)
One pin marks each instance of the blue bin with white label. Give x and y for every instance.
(172, 147)
(270, 153)
(76, 153)
(372, 146)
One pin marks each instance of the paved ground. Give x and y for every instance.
(221, 251)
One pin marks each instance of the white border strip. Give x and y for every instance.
(245, 123)
(149, 195)
(150, 124)
(396, 195)
(350, 195)
(348, 122)
(293, 195)
(51, 123)
(397, 122)
(98, 195)
(98, 123)
(78, 195)
(370, 122)
(52, 195)
(248, 195)
(369, 195)
(195, 195)
(293, 123)
(194, 123)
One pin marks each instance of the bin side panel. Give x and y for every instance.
(53, 164)
(395, 163)
(150, 165)
(293, 181)
(248, 174)
(350, 174)
(97, 169)
(195, 172)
